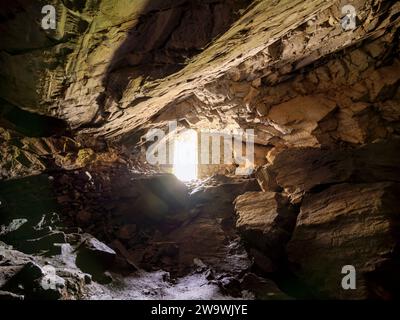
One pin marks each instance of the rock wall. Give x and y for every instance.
(345, 202)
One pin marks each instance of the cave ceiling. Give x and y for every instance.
(287, 69)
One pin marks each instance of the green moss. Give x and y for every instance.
(85, 156)
(5, 134)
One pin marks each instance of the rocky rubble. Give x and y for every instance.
(38, 252)
(147, 223)
(36, 277)
(320, 209)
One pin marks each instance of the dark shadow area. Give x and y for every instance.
(289, 283)
(164, 38)
(28, 123)
(27, 198)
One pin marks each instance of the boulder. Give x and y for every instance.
(348, 224)
(35, 277)
(22, 229)
(7, 272)
(230, 286)
(24, 279)
(124, 260)
(15, 229)
(50, 286)
(36, 282)
(28, 239)
(265, 221)
(94, 257)
(11, 257)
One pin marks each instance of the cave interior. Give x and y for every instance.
(200, 149)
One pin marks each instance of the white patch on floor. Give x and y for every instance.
(154, 286)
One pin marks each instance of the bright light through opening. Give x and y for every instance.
(185, 156)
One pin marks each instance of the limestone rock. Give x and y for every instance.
(265, 220)
(36, 282)
(94, 257)
(348, 224)
(300, 170)
(301, 114)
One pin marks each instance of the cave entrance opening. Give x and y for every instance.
(185, 165)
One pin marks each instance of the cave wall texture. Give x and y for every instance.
(324, 104)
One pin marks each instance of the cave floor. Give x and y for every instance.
(154, 286)
(187, 248)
